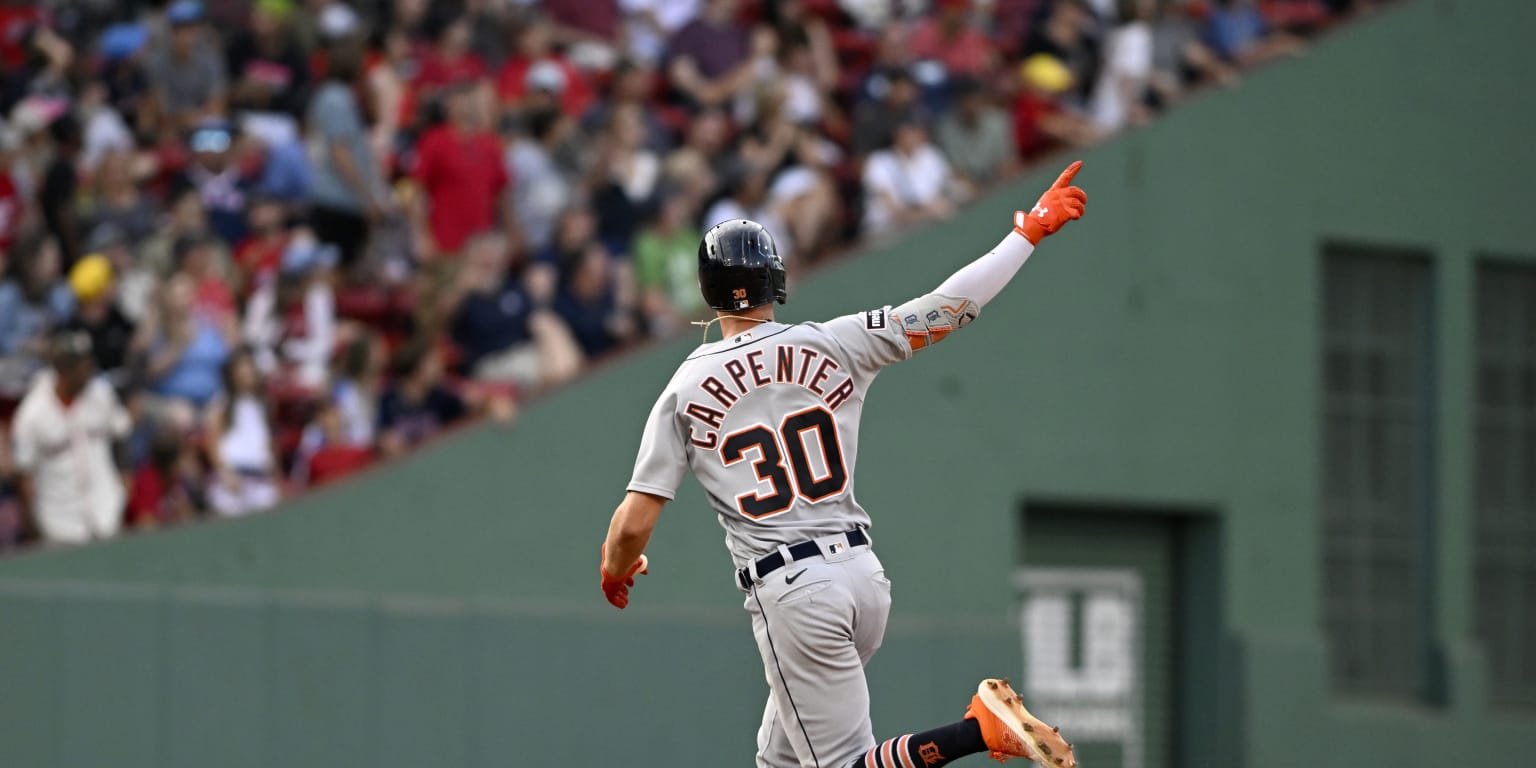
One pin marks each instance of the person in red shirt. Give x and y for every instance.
(949, 37)
(166, 489)
(1040, 123)
(535, 45)
(196, 257)
(451, 60)
(258, 255)
(462, 175)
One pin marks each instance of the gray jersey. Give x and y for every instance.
(768, 420)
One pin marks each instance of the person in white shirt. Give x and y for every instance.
(908, 183)
(290, 322)
(244, 460)
(63, 432)
(1119, 96)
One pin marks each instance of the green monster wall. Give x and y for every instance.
(1162, 354)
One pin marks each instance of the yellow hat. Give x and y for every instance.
(1046, 72)
(91, 277)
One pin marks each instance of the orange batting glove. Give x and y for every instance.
(1059, 205)
(616, 588)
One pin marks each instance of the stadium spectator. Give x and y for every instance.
(630, 84)
(649, 24)
(908, 183)
(358, 384)
(1070, 35)
(1180, 58)
(806, 44)
(117, 201)
(125, 76)
(533, 157)
(63, 433)
(187, 350)
(34, 301)
(134, 282)
(898, 102)
(103, 130)
(535, 64)
(267, 70)
(666, 267)
(186, 222)
(589, 29)
(1238, 32)
(325, 452)
(417, 405)
(258, 256)
(502, 326)
(220, 181)
(975, 136)
(290, 322)
(1040, 121)
(168, 488)
(1120, 97)
(186, 73)
(625, 176)
(746, 196)
(245, 466)
(99, 317)
(60, 185)
(459, 166)
(712, 58)
(451, 61)
(950, 37)
(348, 189)
(594, 302)
(201, 258)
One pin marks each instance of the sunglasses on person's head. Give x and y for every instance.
(210, 140)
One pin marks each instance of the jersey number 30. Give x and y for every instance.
(790, 441)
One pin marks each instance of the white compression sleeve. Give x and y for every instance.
(981, 280)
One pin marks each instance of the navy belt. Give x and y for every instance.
(772, 562)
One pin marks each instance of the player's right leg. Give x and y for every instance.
(995, 722)
(803, 617)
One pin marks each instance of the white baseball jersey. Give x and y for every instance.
(768, 420)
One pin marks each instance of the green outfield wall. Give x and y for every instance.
(1137, 417)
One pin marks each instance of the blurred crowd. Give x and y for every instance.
(251, 247)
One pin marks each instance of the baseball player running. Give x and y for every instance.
(768, 420)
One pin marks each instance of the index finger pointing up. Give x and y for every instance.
(1066, 176)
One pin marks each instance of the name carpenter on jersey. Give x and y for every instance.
(791, 365)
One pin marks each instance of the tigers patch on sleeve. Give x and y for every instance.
(874, 320)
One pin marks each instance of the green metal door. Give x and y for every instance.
(1096, 597)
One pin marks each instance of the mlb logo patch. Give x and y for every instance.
(836, 547)
(874, 320)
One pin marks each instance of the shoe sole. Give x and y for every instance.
(1049, 748)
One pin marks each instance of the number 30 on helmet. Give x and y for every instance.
(740, 267)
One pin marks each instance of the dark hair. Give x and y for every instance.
(540, 122)
(25, 256)
(228, 376)
(409, 357)
(352, 363)
(65, 129)
(345, 62)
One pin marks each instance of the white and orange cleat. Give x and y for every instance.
(1011, 731)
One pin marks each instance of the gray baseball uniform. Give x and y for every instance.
(768, 420)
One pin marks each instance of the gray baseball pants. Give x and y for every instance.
(818, 621)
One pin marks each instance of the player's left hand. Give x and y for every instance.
(616, 588)
(1059, 205)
